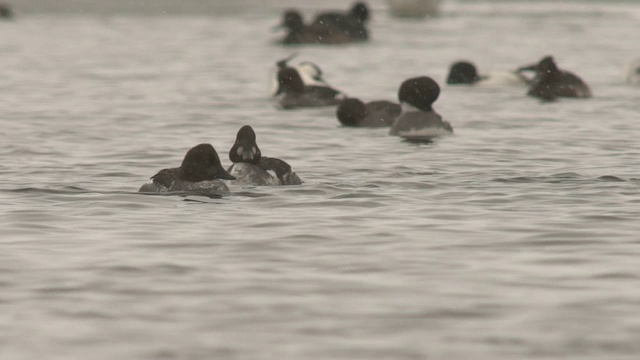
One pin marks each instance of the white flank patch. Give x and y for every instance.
(310, 74)
(240, 150)
(406, 107)
(501, 78)
(273, 85)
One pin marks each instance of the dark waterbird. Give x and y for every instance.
(293, 93)
(327, 28)
(200, 170)
(310, 73)
(418, 121)
(251, 168)
(466, 73)
(353, 112)
(551, 82)
(351, 23)
(463, 72)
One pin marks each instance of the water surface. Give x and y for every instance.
(516, 238)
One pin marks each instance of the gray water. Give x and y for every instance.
(516, 238)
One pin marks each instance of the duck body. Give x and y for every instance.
(292, 93)
(251, 168)
(550, 82)
(351, 25)
(418, 121)
(354, 113)
(311, 96)
(169, 180)
(200, 170)
(418, 125)
(331, 28)
(310, 73)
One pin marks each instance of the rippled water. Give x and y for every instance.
(516, 238)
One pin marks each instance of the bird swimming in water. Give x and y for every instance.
(551, 82)
(327, 28)
(251, 168)
(311, 73)
(466, 73)
(353, 112)
(293, 93)
(418, 121)
(200, 170)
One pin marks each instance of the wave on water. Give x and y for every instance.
(566, 177)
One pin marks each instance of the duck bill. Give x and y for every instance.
(221, 173)
(283, 63)
(533, 67)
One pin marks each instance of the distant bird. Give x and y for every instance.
(293, 93)
(418, 121)
(200, 170)
(414, 8)
(351, 23)
(6, 11)
(310, 73)
(298, 33)
(251, 168)
(463, 72)
(550, 82)
(633, 73)
(353, 112)
(327, 28)
(466, 73)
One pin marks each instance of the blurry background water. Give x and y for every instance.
(516, 238)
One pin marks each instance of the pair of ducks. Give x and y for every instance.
(327, 28)
(549, 82)
(412, 119)
(201, 169)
